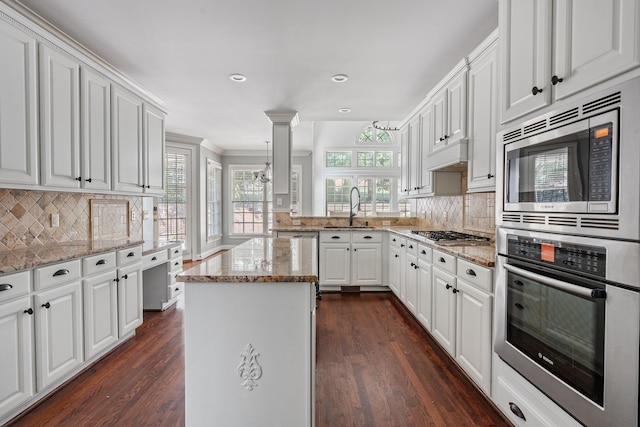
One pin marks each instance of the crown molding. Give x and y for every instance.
(283, 116)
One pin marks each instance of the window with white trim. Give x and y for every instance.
(172, 207)
(214, 200)
(371, 135)
(251, 210)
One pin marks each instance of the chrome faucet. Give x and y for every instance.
(353, 213)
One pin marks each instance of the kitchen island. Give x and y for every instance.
(250, 335)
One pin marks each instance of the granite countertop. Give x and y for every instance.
(260, 260)
(37, 256)
(483, 254)
(149, 247)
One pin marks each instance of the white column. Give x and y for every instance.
(283, 121)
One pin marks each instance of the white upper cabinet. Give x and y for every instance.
(426, 134)
(404, 161)
(18, 104)
(414, 156)
(525, 47)
(153, 150)
(552, 49)
(95, 145)
(60, 119)
(594, 40)
(457, 108)
(126, 136)
(439, 105)
(483, 118)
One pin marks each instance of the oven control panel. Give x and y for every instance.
(567, 256)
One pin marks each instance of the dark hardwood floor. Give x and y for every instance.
(375, 367)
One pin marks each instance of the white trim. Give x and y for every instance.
(213, 251)
(267, 226)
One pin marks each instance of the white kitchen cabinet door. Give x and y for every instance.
(594, 40)
(100, 313)
(335, 264)
(439, 103)
(411, 267)
(405, 170)
(126, 135)
(58, 333)
(16, 353)
(443, 326)
(456, 109)
(60, 119)
(525, 47)
(95, 146)
(366, 264)
(425, 184)
(129, 298)
(414, 156)
(483, 121)
(425, 294)
(394, 269)
(153, 151)
(473, 336)
(18, 107)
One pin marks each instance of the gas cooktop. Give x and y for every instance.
(450, 237)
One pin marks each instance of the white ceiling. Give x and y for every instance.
(183, 51)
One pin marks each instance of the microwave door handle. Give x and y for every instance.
(558, 284)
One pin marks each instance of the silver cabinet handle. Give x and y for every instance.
(101, 262)
(61, 272)
(5, 287)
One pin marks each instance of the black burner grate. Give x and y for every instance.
(450, 236)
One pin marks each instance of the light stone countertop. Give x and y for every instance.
(260, 260)
(152, 246)
(38, 256)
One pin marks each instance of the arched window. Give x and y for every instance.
(371, 135)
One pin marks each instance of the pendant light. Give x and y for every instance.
(264, 175)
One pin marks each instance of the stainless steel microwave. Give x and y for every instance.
(576, 169)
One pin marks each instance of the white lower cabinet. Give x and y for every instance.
(350, 258)
(425, 287)
(411, 276)
(16, 353)
(444, 310)
(129, 298)
(394, 269)
(100, 313)
(58, 316)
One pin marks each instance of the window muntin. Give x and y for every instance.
(172, 207)
(370, 135)
(338, 159)
(365, 159)
(251, 203)
(214, 200)
(337, 194)
(376, 195)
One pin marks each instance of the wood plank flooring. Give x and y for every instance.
(375, 367)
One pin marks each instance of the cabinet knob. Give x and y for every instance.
(46, 305)
(446, 137)
(126, 276)
(455, 291)
(489, 176)
(402, 245)
(442, 260)
(142, 186)
(348, 249)
(177, 289)
(555, 80)
(441, 139)
(412, 264)
(29, 311)
(536, 91)
(396, 255)
(79, 178)
(416, 266)
(354, 249)
(448, 286)
(117, 280)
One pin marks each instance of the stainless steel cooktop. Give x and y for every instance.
(450, 237)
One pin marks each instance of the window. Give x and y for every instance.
(337, 195)
(376, 195)
(172, 207)
(338, 159)
(371, 135)
(378, 159)
(251, 203)
(214, 199)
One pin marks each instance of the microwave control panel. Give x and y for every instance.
(583, 259)
(600, 159)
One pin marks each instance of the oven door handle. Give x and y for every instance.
(558, 284)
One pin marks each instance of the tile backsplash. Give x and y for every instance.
(474, 212)
(25, 217)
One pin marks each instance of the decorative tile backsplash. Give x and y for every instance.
(109, 219)
(469, 212)
(25, 217)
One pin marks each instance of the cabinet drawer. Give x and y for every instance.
(129, 256)
(15, 284)
(153, 259)
(52, 275)
(337, 237)
(397, 241)
(175, 289)
(424, 253)
(444, 261)
(98, 263)
(175, 265)
(412, 247)
(365, 237)
(474, 274)
(175, 252)
(507, 398)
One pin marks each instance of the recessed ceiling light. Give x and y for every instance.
(339, 78)
(237, 78)
(344, 110)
